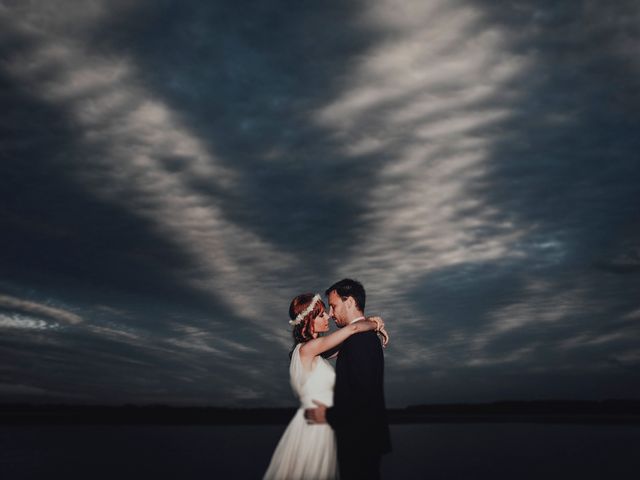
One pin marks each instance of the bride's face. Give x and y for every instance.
(321, 322)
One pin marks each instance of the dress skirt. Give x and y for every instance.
(304, 452)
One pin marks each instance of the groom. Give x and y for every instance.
(358, 416)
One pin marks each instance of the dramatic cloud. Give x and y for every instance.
(172, 175)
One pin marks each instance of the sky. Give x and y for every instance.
(173, 173)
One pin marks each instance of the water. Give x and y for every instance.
(429, 451)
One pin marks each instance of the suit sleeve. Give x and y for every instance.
(363, 373)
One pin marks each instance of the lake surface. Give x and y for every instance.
(430, 451)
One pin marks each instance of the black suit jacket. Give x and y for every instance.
(358, 415)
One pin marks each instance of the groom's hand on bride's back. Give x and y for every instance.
(316, 415)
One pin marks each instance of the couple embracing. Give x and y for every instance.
(341, 425)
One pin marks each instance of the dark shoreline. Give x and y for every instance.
(626, 412)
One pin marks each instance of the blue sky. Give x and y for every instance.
(173, 173)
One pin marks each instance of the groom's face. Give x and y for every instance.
(338, 309)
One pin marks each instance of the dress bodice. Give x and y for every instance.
(314, 384)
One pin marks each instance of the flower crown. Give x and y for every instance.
(306, 311)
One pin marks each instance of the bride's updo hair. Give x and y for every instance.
(303, 331)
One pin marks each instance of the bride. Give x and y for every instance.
(309, 451)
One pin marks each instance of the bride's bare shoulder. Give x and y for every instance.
(306, 349)
(307, 356)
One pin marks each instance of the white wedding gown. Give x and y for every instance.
(307, 451)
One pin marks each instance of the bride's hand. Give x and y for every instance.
(380, 330)
(384, 336)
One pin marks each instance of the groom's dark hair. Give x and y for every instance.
(349, 288)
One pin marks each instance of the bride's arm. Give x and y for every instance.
(322, 344)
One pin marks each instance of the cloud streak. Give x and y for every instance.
(428, 99)
(35, 308)
(137, 154)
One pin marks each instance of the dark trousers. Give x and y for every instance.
(358, 464)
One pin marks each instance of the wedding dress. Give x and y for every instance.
(307, 451)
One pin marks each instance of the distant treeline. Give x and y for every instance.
(546, 411)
